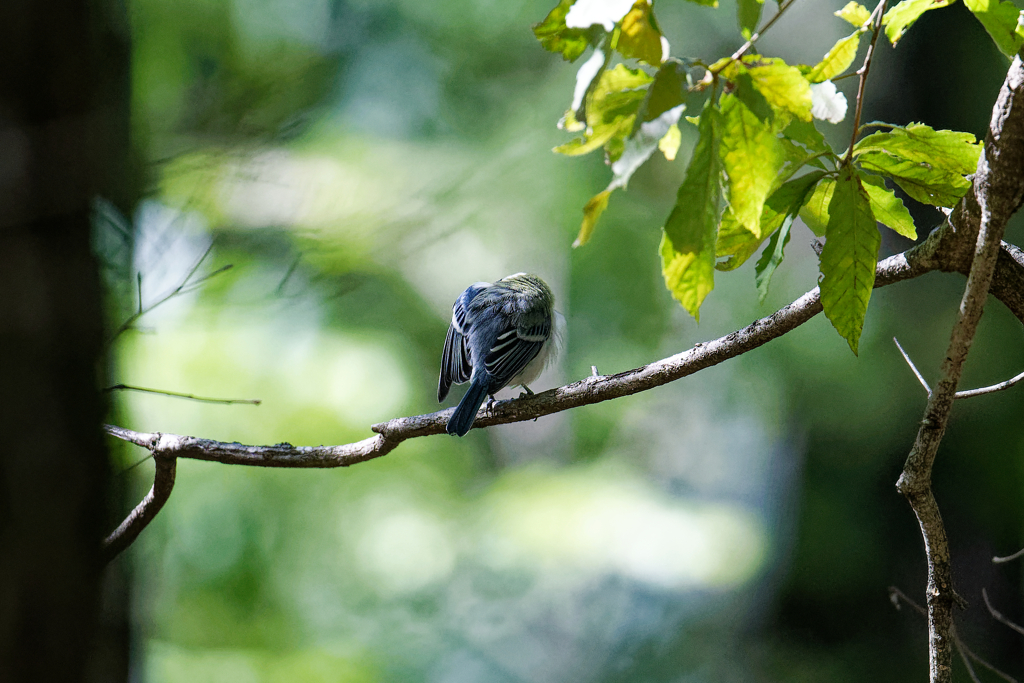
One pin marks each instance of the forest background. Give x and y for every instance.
(357, 165)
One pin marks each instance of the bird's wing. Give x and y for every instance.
(513, 349)
(456, 365)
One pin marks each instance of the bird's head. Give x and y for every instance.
(529, 285)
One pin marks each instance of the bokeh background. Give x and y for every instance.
(358, 164)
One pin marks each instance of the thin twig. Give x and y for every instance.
(191, 397)
(753, 39)
(967, 653)
(863, 73)
(895, 595)
(968, 393)
(135, 464)
(185, 287)
(998, 616)
(1009, 558)
(920, 377)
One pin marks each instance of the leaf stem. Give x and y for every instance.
(876, 18)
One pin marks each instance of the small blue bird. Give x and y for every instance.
(501, 335)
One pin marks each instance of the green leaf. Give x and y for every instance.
(901, 17)
(748, 13)
(789, 199)
(848, 260)
(771, 258)
(948, 150)
(752, 157)
(782, 85)
(920, 180)
(748, 93)
(734, 243)
(611, 109)
(706, 3)
(887, 207)
(1002, 21)
(815, 211)
(619, 92)
(807, 135)
(738, 244)
(555, 36)
(669, 89)
(688, 244)
(837, 60)
(855, 13)
(639, 37)
(591, 212)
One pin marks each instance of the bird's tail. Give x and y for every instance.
(463, 417)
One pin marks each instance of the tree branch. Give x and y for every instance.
(593, 389)
(947, 249)
(997, 191)
(163, 481)
(917, 261)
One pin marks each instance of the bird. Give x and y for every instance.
(501, 334)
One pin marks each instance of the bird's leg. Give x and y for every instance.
(526, 392)
(490, 403)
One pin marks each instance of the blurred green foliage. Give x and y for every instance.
(360, 164)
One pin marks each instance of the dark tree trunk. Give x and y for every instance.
(63, 141)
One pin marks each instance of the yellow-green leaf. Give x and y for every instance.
(837, 60)
(738, 244)
(734, 242)
(639, 37)
(783, 86)
(591, 212)
(555, 36)
(752, 156)
(848, 260)
(669, 144)
(887, 208)
(611, 109)
(596, 137)
(1002, 21)
(901, 17)
(949, 150)
(920, 180)
(815, 212)
(807, 135)
(688, 244)
(748, 14)
(619, 92)
(855, 13)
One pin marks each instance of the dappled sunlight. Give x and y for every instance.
(168, 663)
(405, 550)
(601, 520)
(341, 377)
